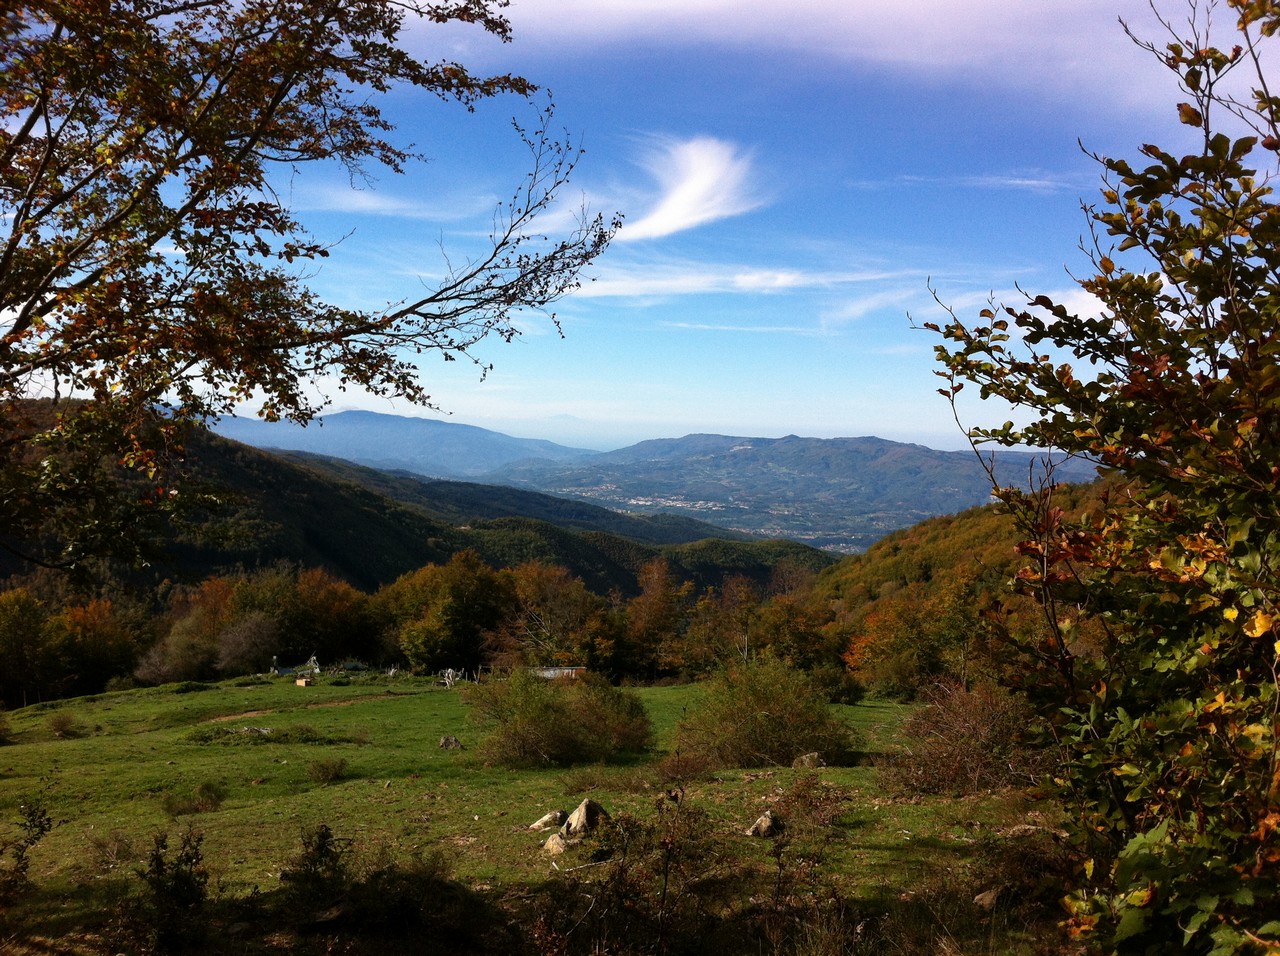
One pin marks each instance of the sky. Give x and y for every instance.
(799, 180)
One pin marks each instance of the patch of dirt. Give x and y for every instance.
(247, 714)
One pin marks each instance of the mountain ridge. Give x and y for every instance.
(838, 494)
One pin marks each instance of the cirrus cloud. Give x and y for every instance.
(700, 180)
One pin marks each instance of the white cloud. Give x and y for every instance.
(699, 181)
(368, 202)
(1033, 182)
(662, 278)
(750, 329)
(1065, 44)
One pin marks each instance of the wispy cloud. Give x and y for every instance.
(653, 279)
(699, 181)
(368, 202)
(750, 329)
(1066, 44)
(1035, 182)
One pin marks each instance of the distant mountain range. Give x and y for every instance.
(839, 494)
(423, 446)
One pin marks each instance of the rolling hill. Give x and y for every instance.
(838, 494)
(262, 508)
(423, 446)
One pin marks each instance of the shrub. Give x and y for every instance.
(172, 913)
(320, 873)
(764, 713)
(658, 886)
(206, 798)
(221, 734)
(192, 687)
(965, 741)
(327, 769)
(539, 722)
(65, 724)
(838, 683)
(34, 825)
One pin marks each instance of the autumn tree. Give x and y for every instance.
(187, 648)
(441, 615)
(93, 642)
(656, 618)
(24, 648)
(1171, 761)
(149, 266)
(555, 621)
(719, 628)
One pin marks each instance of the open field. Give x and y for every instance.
(362, 756)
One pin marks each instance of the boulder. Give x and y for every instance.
(987, 901)
(769, 824)
(584, 819)
(450, 742)
(551, 821)
(555, 844)
(809, 761)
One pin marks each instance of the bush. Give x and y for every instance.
(966, 741)
(206, 798)
(320, 873)
(34, 825)
(838, 683)
(172, 915)
(760, 714)
(539, 722)
(65, 725)
(222, 734)
(327, 769)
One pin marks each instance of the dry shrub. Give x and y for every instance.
(205, 798)
(765, 713)
(327, 769)
(66, 725)
(966, 741)
(539, 722)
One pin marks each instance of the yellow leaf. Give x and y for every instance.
(1189, 115)
(1230, 613)
(1261, 623)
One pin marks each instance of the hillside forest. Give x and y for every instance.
(896, 619)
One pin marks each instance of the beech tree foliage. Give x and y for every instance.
(1167, 716)
(148, 265)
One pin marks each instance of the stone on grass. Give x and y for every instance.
(584, 819)
(987, 901)
(450, 742)
(769, 824)
(555, 844)
(552, 821)
(809, 761)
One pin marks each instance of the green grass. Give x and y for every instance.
(141, 750)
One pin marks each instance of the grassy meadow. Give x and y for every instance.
(362, 755)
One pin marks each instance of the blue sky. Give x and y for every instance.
(795, 176)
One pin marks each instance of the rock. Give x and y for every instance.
(584, 819)
(555, 844)
(987, 900)
(768, 825)
(552, 821)
(809, 761)
(450, 742)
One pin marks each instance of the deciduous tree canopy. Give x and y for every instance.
(1172, 761)
(148, 265)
